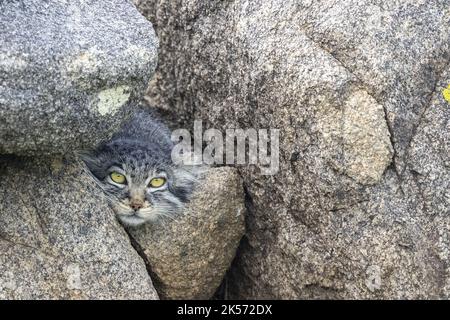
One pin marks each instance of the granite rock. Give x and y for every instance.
(59, 239)
(189, 256)
(360, 205)
(70, 72)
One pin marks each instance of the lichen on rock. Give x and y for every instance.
(110, 100)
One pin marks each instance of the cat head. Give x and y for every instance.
(140, 181)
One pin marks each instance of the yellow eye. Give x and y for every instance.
(117, 177)
(157, 182)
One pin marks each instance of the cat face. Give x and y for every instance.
(140, 182)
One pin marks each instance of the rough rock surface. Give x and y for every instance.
(189, 256)
(60, 240)
(69, 71)
(360, 206)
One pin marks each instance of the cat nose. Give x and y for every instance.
(136, 204)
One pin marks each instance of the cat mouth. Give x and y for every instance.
(128, 216)
(132, 219)
(135, 217)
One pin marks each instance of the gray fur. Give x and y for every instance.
(142, 151)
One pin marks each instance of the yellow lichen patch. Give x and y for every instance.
(110, 100)
(446, 93)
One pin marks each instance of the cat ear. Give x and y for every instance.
(92, 160)
(190, 166)
(185, 179)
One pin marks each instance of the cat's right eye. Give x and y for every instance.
(117, 177)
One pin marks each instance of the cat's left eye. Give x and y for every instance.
(157, 182)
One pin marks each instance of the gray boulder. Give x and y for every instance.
(360, 206)
(189, 256)
(69, 72)
(60, 240)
